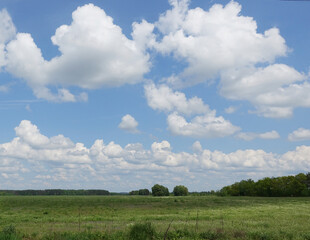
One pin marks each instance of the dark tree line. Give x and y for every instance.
(50, 192)
(160, 190)
(143, 192)
(287, 186)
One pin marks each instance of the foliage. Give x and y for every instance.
(160, 190)
(9, 233)
(142, 231)
(286, 186)
(59, 192)
(180, 190)
(142, 192)
(134, 192)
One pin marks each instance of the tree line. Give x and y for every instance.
(160, 190)
(50, 192)
(286, 186)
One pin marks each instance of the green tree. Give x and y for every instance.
(180, 190)
(160, 190)
(145, 192)
(134, 192)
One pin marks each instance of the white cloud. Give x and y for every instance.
(4, 88)
(143, 34)
(7, 32)
(94, 53)
(163, 98)
(273, 90)
(197, 148)
(2, 56)
(269, 135)
(206, 126)
(129, 124)
(230, 110)
(223, 43)
(31, 163)
(7, 28)
(215, 40)
(175, 103)
(301, 134)
(249, 136)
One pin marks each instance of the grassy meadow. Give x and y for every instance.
(121, 217)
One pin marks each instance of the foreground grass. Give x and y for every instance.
(116, 217)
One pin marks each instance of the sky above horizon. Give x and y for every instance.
(121, 95)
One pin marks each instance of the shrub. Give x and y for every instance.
(159, 190)
(180, 190)
(145, 192)
(142, 231)
(9, 233)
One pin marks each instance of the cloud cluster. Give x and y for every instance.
(219, 43)
(223, 44)
(205, 125)
(60, 162)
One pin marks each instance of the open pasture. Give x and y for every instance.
(191, 217)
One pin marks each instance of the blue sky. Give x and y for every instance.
(120, 95)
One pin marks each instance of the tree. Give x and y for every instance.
(134, 192)
(180, 190)
(145, 192)
(159, 190)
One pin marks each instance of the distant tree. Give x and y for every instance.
(134, 192)
(144, 192)
(180, 190)
(159, 190)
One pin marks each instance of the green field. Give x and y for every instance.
(116, 217)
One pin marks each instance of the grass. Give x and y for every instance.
(121, 217)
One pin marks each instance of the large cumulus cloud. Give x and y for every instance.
(93, 53)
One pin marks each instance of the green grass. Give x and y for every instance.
(115, 217)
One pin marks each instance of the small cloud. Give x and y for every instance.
(269, 135)
(4, 88)
(28, 108)
(197, 148)
(129, 124)
(249, 136)
(230, 110)
(205, 126)
(301, 134)
(83, 97)
(246, 136)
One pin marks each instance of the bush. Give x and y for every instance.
(142, 231)
(144, 192)
(134, 192)
(159, 190)
(9, 233)
(180, 190)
